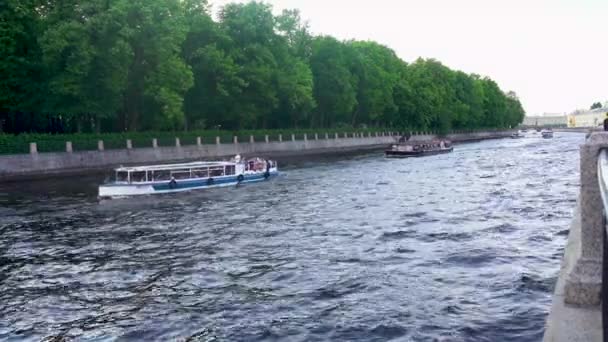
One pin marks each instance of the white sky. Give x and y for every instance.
(552, 53)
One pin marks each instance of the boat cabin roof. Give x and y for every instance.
(430, 142)
(192, 165)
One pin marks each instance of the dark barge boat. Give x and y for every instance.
(405, 149)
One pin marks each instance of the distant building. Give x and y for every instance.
(588, 118)
(554, 120)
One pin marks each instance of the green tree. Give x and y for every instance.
(158, 78)
(21, 84)
(334, 85)
(596, 105)
(115, 65)
(85, 62)
(494, 105)
(251, 29)
(211, 101)
(376, 70)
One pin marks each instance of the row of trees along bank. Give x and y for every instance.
(137, 65)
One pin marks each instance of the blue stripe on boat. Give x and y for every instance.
(202, 183)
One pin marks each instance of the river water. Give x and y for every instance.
(458, 247)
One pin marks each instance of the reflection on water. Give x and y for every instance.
(462, 246)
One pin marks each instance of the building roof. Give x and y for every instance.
(591, 111)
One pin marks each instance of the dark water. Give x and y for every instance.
(458, 247)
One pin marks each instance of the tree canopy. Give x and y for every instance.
(596, 105)
(136, 65)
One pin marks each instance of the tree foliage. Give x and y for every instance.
(137, 65)
(596, 105)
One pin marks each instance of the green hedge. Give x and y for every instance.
(19, 144)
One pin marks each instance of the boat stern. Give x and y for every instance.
(120, 190)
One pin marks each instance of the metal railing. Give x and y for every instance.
(602, 172)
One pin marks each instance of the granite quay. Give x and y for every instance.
(39, 164)
(582, 287)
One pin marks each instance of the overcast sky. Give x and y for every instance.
(552, 53)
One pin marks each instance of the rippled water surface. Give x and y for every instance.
(458, 247)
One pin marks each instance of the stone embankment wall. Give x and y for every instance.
(576, 309)
(40, 164)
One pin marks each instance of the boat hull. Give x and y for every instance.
(409, 154)
(134, 189)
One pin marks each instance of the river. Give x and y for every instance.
(457, 247)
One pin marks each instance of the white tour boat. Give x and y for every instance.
(155, 179)
(547, 133)
(518, 135)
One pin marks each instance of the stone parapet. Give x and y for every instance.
(569, 322)
(583, 283)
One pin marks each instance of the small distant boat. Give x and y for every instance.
(547, 133)
(405, 149)
(518, 135)
(155, 179)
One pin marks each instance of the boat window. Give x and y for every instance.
(230, 170)
(180, 174)
(200, 173)
(138, 176)
(122, 176)
(161, 175)
(216, 171)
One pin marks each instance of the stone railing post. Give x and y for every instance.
(305, 137)
(235, 139)
(345, 135)
(129, 144)
(336, 135)
(33, 148)
(177, 142)
(68, 147)
(100, 146)
(154, 143)
(326, 135)
(217, 140)
(251, 139)
(584, 282)
(280, 137)
(199, 141)
(293, 137)
(316, 136)
(266, 138)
